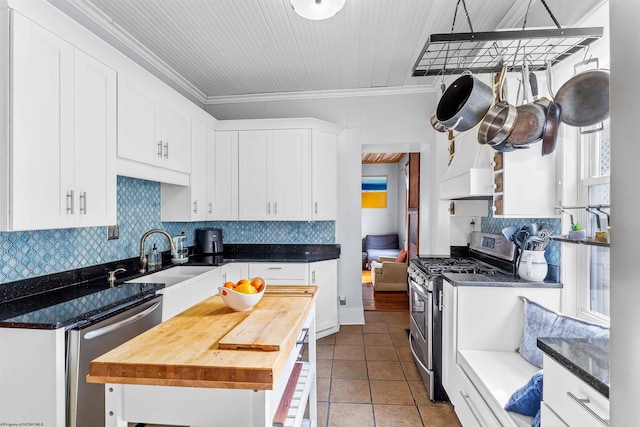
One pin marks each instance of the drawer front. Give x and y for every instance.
(474, 404)
(573, 400)
(550, 418)
(287, 272)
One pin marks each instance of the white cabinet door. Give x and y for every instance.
(137, 121)
(291, 175)
(173, 129)
(198, 179)
(324, 169)
(324, 275)
(255, 199)
(224, 174)
(94, 142)
(42, 125)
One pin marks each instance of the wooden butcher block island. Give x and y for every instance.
(212, 366)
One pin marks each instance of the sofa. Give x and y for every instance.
(381, 245)
(390, 274)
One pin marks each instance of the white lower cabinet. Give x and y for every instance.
(233, 272)
(179, 297)
(322, 274)
(569, 400)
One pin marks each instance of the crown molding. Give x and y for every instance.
(321, 94)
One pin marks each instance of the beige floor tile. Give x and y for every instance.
(323, 386)
(404, 353)
(400, 339)
(380, 352)
(391, 392)
(329, 339)
(377, 339)
(397, 317)
(323, 412)
(419, 392)
(397, 328)
(324, 352)
(350, 328)
(375, 328)
(350, 415)
(396, 416)
(348, 352)
(410, 370)
(438, 415)
(323, 368)
(349, 369)
(353, 338)
(374, 317)
(348, 390)
(383, 370)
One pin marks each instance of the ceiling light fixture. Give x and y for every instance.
(317, 9)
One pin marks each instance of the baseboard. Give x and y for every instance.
(351, 316)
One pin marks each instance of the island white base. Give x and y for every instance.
(218, 407)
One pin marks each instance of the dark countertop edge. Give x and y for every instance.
(91, 316)
(547, 346)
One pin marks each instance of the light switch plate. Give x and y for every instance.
(113, 232)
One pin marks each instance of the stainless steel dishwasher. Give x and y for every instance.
(88, 341)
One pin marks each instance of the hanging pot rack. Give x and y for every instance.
(486, 52)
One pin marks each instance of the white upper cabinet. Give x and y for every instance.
(222, 147)
(61, 150)
(199, 164)
(153, 128)
(274, 175)
(324, 170)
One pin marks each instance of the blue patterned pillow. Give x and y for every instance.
(526, 400)
(545, 323)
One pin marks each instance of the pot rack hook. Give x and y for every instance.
(588, 209)
(599, 209)
(570, 216)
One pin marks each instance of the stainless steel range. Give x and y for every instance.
(489, 255)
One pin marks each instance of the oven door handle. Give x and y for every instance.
(415, 356)
(417, 289)
(110, 328)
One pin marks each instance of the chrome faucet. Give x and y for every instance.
(143, 254)
(111, 280)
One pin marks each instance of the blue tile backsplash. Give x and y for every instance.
(495, 226)
(26, 254)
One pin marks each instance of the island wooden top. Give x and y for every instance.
(184, 350)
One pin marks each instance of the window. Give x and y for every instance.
(593, 276)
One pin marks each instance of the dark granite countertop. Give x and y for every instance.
(495, 280)
(587, 358)
(69, 298)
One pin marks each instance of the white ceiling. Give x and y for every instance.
(220, 49)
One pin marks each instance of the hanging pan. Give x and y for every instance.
(530, 121)
(552, 122)
(499, 120)
(584, 98)
(464, 103)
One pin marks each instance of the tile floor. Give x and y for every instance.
(366, 377)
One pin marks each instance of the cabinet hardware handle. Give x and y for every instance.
(210, 207)
(268, 208)
(440, 300)
(274, 268)
(315, 208)
(313, 277)
(275, 208)
(195, 206)
(70, 202)
(83, 202)
(160, 149)
(166, 150)
(583, 404)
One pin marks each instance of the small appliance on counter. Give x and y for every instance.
(181, 254)
(209, 241)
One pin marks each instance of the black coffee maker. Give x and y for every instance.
(209, 241)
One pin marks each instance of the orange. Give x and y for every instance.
(246, 288)
(229, 285)
(242, 281)
(257, 282)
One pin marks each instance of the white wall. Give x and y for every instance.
(383, 220)
(373, 121)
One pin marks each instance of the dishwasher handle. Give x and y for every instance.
(110, 328)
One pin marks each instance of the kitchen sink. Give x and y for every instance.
(172, 276)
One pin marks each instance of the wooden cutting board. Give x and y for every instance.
(262, 330)
(290, 290)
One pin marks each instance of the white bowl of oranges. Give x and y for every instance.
(244, 294)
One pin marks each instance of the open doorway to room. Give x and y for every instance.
(390, 212)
